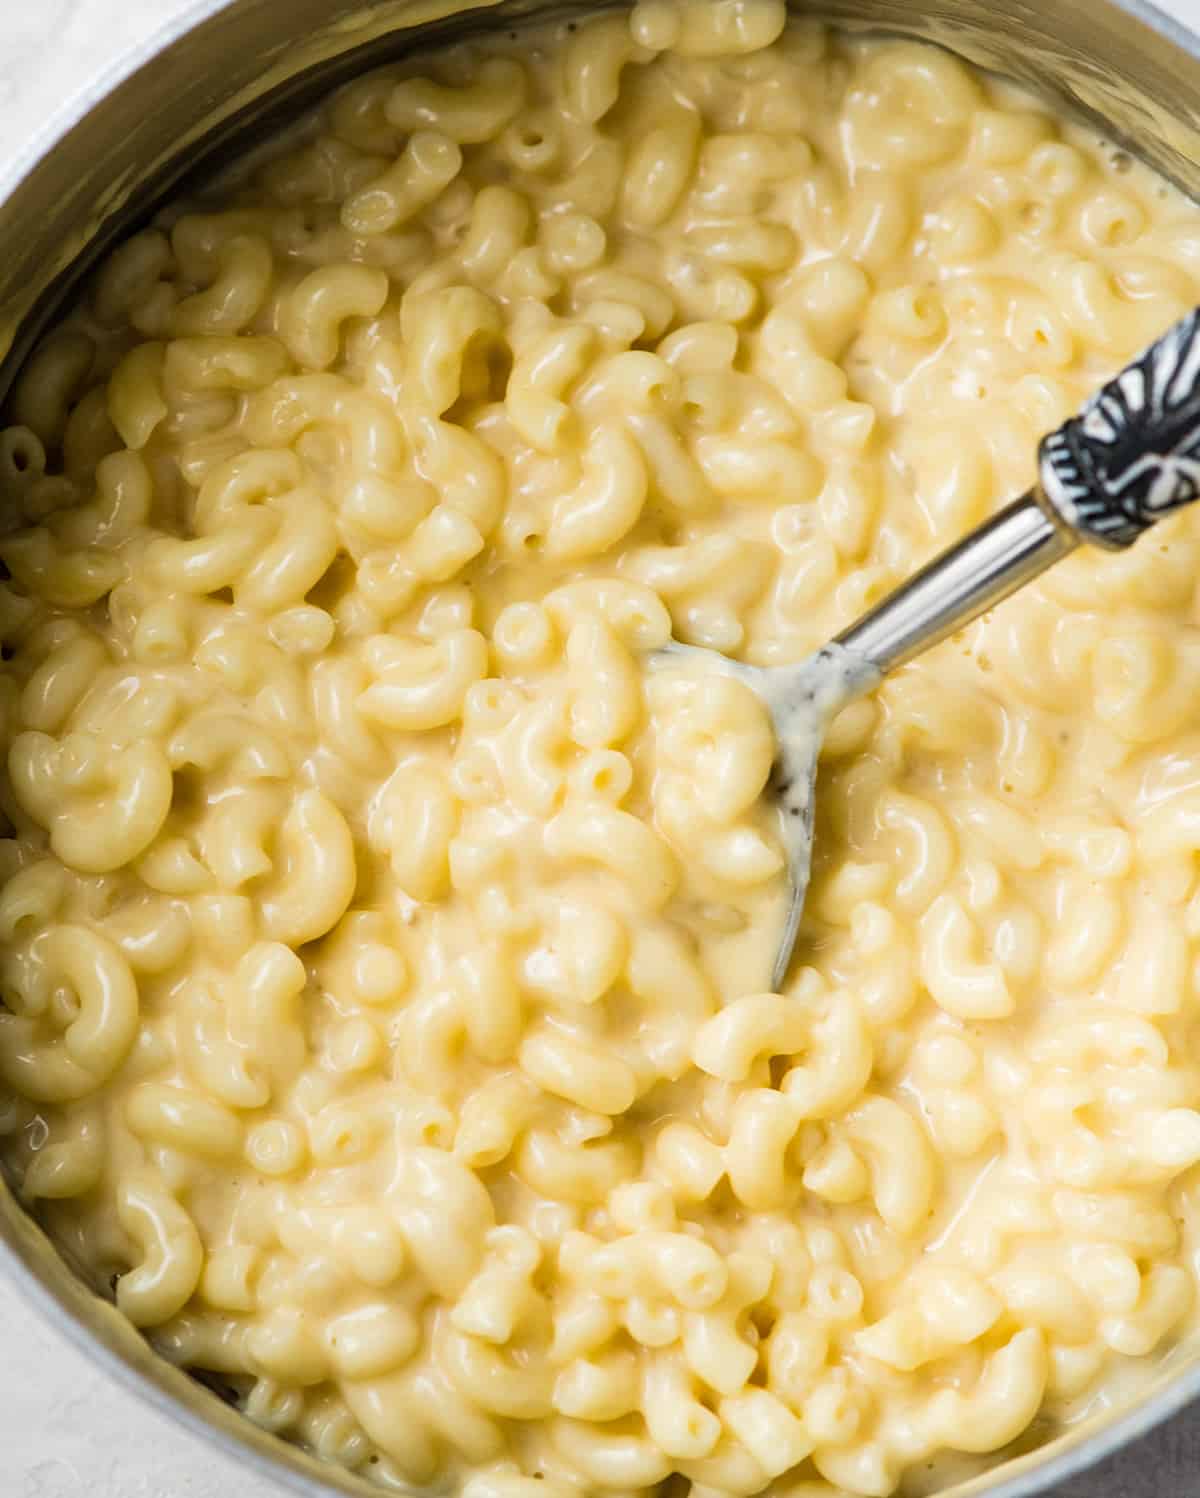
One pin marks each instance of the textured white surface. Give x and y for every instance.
(66, 1432)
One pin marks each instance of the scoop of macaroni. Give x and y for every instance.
(385, 946)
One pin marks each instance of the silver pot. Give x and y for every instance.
(186, 100)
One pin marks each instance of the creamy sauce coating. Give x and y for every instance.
(386, 947)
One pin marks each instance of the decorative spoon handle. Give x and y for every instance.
(1132, 454)
(1129, 457)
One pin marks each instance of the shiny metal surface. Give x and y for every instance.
(995, 559)
(1012, 548)
(222, 74)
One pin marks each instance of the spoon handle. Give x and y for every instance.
(1129, 457)
(1000, 556)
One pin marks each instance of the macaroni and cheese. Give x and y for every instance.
(386, 949)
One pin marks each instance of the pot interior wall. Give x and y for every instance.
(199, 97)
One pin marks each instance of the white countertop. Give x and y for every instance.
(65, 1431)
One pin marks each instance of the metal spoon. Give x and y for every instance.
(1129, 457)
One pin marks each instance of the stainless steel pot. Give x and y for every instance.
(223, 73)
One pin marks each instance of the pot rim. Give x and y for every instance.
(1032, 1477)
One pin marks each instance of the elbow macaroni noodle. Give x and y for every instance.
(382, 1008)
